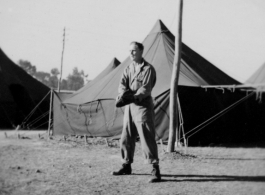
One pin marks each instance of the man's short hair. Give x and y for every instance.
(139, 45)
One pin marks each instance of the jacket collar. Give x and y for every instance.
(144, 63)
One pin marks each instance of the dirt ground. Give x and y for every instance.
(34, 164)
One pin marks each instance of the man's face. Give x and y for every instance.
(135, 53)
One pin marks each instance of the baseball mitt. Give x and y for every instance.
(125, 98)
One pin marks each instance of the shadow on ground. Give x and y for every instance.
(211, 178)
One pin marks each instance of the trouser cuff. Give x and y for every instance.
(126, 161)
(151, 161)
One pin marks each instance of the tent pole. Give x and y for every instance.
(50, 112)
(59, 80)
(173, 105)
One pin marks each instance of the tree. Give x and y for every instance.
(53, 81)
(76, 80)
(64, 84)
(27, 66)
(43, 77)
(55, 72)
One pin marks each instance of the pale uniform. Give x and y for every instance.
(139, 117)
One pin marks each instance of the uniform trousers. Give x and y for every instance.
(138, 121)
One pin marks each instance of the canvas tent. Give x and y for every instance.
(20, 93)
(258, 76)
(112, 65)
(159, 51)
(257, 80)
(91, 111)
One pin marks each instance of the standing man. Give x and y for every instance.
(140, 78)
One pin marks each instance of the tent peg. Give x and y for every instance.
(107, 142)
(93, 139)
(86, 142)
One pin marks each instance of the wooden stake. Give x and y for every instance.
(173, 108)
(5, 135)
(93, 140)
(86, 141)
(107, 141)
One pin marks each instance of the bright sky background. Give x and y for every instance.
(228, 33)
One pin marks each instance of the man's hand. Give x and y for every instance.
(137, 99)
(125, 98)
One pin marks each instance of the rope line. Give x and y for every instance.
(31, 113)
(42, 124)
(217, 115)
(40, 117)
(37, 119)
(181, 125)
(88, 121)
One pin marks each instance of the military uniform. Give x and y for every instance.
(139, 116)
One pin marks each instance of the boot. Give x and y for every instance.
(156, 177)
(125, 170)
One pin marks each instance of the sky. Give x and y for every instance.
(228, 33)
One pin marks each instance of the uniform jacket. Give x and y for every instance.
(141, 82)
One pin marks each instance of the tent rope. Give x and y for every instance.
(37, 119)
(97, 106)
(42, 124)
(88, 120)
(32, 112)
(40, 117)
(181, 125)
(87, 123)
(216, 116)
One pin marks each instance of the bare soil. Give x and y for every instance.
(36, 165)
